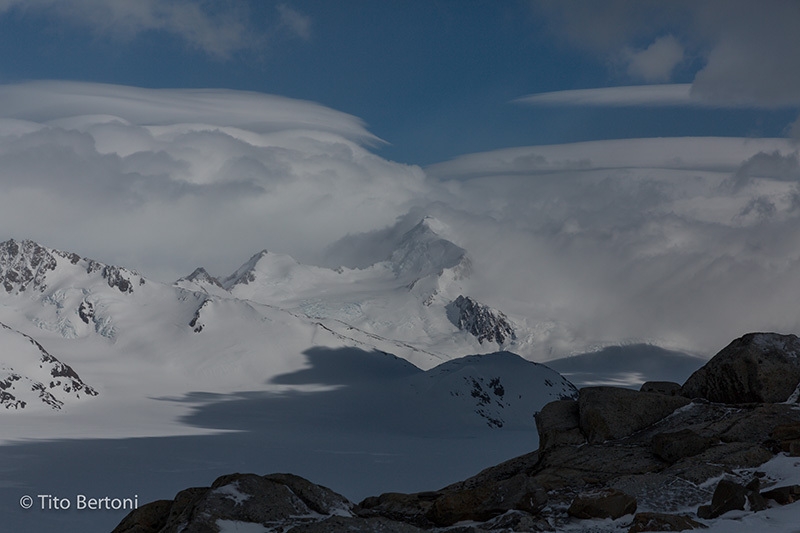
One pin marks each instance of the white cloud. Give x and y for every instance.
(294, 21)
(165, 180)
(655, 63)
(627, 96)
(219, 32)
(750, 50)
(636, 239)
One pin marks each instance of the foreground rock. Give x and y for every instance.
(758, 367)
(604, 456)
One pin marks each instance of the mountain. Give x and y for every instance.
(483, 322)
(32, 379)
(136, 339)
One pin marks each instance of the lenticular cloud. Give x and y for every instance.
(163, 179)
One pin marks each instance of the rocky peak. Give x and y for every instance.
(481, 321)
(246, 273)
(200, 275)
(31, 377)
(25, 265)
(423, 251)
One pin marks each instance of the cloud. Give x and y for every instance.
(295, 22)
(656, 62)
(629, 96)
(634, 239)
(166, 180)
(749, 51)
(219, 31)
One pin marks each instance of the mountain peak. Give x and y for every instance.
(201, 275)
(27, 265)
(423, 251)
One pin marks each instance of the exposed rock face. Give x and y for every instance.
(200, 275)
(25, 265)
(30, 376)
(558, 424)
(608, 413)
(606, 503)
(483, 322)
(672, 447)
(670, 388)
(663, 522)
(758, 367)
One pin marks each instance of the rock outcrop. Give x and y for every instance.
(607, 455)
(479, 320)
(758, 367)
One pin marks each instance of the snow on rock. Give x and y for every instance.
(24, 265)
(422, 251)
(501, 388)
(31, 378)
(483, 322)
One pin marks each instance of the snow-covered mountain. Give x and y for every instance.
(132, 338)
(32, 379)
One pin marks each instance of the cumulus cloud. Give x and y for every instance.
(218, 31)
(165, 180)
(655, 63)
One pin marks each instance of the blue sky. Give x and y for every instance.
(435, 79)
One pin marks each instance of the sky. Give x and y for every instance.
(628, 168)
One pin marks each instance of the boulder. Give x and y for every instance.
(783, 495)
(609, 413)
(248, 498)
(149, 518)
(728, 496)
(677, 445)
(756, 368)
(670, 388)
(411, 508)
(605, 503)
(485, 502)
(663, 522)
(558, 424)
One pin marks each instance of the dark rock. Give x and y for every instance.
(484, 502)
(276, 500)
(149, 518)
(783, 495)
(558, 424)
(756, 501)
(663, 522)
(787, 437)
(758, 367)
(670, 388)
(605, 503)
(343, 524)
(678, 445)
(411, 508)
(481, 321)
(728, 496)
(608, 413)
(517, 521)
